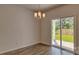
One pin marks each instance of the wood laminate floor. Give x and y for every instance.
(38, 49)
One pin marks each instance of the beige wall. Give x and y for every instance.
(18, 28)
(66, 10)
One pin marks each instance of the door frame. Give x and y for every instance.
(74, 35)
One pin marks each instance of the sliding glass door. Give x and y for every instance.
(56, 32)
(67, 33)
(63, 33)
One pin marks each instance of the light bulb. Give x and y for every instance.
(43, 15)
(39, 14)
(35, 14)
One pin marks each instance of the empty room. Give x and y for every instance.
(39, 29)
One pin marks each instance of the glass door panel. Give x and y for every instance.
(67, 33)
(56, 32)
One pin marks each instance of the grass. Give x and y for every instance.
(67, 38)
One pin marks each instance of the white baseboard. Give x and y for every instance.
(19, 47)
(45, 43)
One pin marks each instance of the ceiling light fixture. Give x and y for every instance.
(39, 14)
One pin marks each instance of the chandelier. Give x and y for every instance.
(39, 14)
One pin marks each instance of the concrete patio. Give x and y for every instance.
(66, 45)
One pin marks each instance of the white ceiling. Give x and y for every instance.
(43, 7)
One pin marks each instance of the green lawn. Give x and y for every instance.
(67, 38)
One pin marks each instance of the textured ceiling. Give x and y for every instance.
(43, 7)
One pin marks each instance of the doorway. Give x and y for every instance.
(63, 33)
